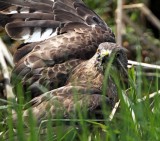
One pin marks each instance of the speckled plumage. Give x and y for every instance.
(83, 89)
(61, 38)
(55, 31)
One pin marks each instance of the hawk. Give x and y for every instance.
(64, 59)
(54, 33)
(83, 89)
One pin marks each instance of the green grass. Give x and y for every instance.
(132, 121)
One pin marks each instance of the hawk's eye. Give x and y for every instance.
(118, 55)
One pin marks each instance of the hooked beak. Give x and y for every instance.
(105, 56)
(105, 53)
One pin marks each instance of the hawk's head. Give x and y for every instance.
(111, 56)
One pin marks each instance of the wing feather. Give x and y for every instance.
(36, 5)
(32, 13)
(64, 102)
(80, 42)
(42, 77)
(55, 32)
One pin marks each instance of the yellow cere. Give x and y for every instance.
(105, 52)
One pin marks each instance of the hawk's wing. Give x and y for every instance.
(65, 102)
(36, 20)
(54, 32)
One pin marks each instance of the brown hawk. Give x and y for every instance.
(84, 88)
(54, 32)
(61, 38)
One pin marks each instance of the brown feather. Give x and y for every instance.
(65, 33)
(82, 91)
(80, 43)
(62, 11)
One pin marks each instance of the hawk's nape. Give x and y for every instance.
(54, 32)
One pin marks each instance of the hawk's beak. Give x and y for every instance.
(105, 53)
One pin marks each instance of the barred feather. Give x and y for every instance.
(67, 103)
(83, 89)
(35, 11)
(43, 77)
(59, 56)
(54, 32)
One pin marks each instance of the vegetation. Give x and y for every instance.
(137, 114)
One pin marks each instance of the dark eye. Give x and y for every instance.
(118, 55)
